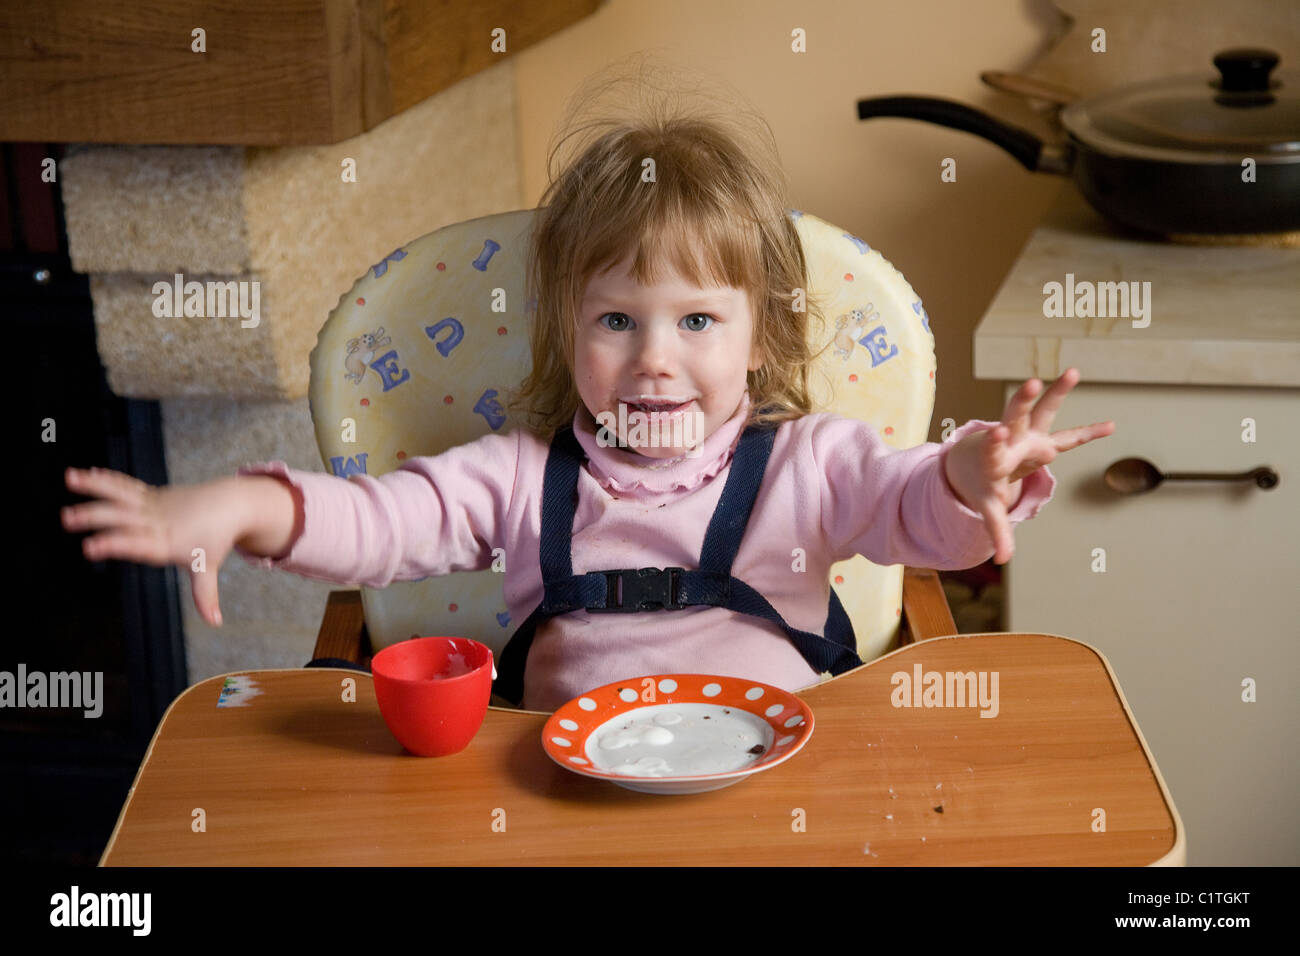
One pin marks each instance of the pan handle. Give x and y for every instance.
(1030, 86)
(1030, 151)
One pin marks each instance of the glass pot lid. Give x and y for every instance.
(1247, 110)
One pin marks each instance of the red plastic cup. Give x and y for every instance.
(433, 692)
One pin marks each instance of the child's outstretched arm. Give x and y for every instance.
(162, 526)
(984, 469)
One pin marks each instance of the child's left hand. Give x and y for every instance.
(984, 469)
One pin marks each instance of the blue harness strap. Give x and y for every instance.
(632, 590)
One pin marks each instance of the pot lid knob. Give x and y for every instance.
(1245, 69)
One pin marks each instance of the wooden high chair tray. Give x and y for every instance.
(282, 770)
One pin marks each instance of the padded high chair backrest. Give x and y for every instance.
(414, 360)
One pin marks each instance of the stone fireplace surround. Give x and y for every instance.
(233, 391)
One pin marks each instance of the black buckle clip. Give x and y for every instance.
(644, 589)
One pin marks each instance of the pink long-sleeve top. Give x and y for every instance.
(831, 487)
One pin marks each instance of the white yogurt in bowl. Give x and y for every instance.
(709, 732)
(677, 740)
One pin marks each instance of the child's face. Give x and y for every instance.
(671, 339)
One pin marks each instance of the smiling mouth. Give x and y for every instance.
(657, 408)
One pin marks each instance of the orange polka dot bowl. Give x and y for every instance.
(677, 733)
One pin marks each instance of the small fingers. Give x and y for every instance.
(1016, 415)
(105, 483)
(1045, 411)
(125, 545)
(1074, 437)
(995, 451)
(204, 586)
(94, 515)
(999, 528)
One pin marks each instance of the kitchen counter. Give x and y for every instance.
(1187, 588)
(1218, 315)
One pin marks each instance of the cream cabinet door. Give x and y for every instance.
(1197, 600)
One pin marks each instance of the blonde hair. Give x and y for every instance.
(716, 211)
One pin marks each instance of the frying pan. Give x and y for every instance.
(1185, 154)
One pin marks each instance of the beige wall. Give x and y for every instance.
(878, 179)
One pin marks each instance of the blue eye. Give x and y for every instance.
(625, 321)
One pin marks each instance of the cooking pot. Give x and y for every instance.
(1166, 156)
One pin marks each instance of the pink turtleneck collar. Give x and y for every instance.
(619, 470)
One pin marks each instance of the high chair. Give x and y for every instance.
(417, 356)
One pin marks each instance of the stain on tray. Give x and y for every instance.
(756, 749)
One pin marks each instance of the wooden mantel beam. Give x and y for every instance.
(244, 72)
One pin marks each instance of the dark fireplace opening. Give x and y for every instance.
(66, 774)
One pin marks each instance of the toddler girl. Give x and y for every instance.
(664, 266)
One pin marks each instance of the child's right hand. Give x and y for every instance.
(158, 526)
